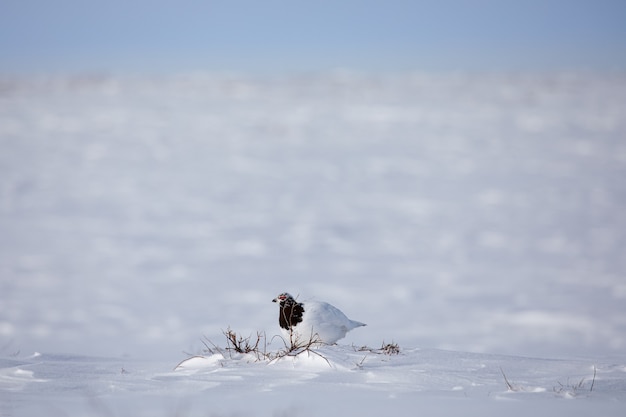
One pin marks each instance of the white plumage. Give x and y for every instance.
(315, 320)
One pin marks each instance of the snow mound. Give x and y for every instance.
(318, 359)
(196, 363)
(14, 379)
(322, 359)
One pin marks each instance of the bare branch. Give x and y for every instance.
(593, 381)
(509, 386)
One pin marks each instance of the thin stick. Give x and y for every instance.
(508, 384)
(593, 381)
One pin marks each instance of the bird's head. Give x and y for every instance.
(283, 297)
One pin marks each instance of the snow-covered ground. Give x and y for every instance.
(451, 213)
(342, 381)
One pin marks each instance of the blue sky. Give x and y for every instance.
(158, 36)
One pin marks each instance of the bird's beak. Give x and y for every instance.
(274, 300)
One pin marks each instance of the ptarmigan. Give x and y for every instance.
(312, 320)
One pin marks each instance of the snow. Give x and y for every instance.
(335, 380)
(476, 220)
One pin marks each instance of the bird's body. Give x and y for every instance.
(312, 320)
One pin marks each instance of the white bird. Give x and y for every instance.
(312, 320)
